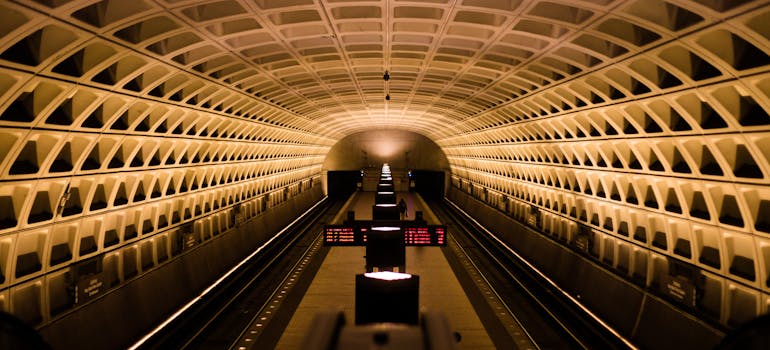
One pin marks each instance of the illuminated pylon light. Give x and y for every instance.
(387, 297)
(388, 275)
(385, 228)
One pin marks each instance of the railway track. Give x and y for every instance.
(522, 310)
(531, 312)
(221, 314)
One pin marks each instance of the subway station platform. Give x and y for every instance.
(334, 285)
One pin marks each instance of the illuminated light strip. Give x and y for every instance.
(219, 281)
(384, 205)
(385, 192)
(386, 228)
(388, 275)
(551, 282)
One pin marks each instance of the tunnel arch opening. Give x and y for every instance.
(363, 154)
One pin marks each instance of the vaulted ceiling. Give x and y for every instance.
(454, 65)
(646, 120)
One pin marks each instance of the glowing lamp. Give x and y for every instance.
(388, 275)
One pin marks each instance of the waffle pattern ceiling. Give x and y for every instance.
(319, 65)
(646, 120)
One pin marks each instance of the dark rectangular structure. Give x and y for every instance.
(385, 212)
(342, 183)
(382, 300)
(428, 183)
(385, 250)
(385, 197)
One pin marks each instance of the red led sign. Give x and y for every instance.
(440, 233)
(355, 235)
(416, 236)
(338, 235)
(430, 235)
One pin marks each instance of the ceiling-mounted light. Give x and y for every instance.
(386, 76)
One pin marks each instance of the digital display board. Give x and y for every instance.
(362, 235)
(344, 235)
(355, 234)
(430, 235)
(416, 236)
(440, 234)
(339, 235)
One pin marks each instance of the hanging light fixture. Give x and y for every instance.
(386, 77)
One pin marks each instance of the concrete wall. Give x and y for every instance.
(123, 315)
(644, 318)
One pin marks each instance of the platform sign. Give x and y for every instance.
(533, 217)
(89, 280)
(581, 243)
(680, 289)
(417, 236)
(440, 235)
(189, 240)
(339, 235)
(89, 287)
(583, 240)
(430, 235)
(680, 283)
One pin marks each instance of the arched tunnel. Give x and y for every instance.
(621, 146)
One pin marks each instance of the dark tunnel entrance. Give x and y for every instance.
(342, 183)
(428, 183)
(417, 163)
